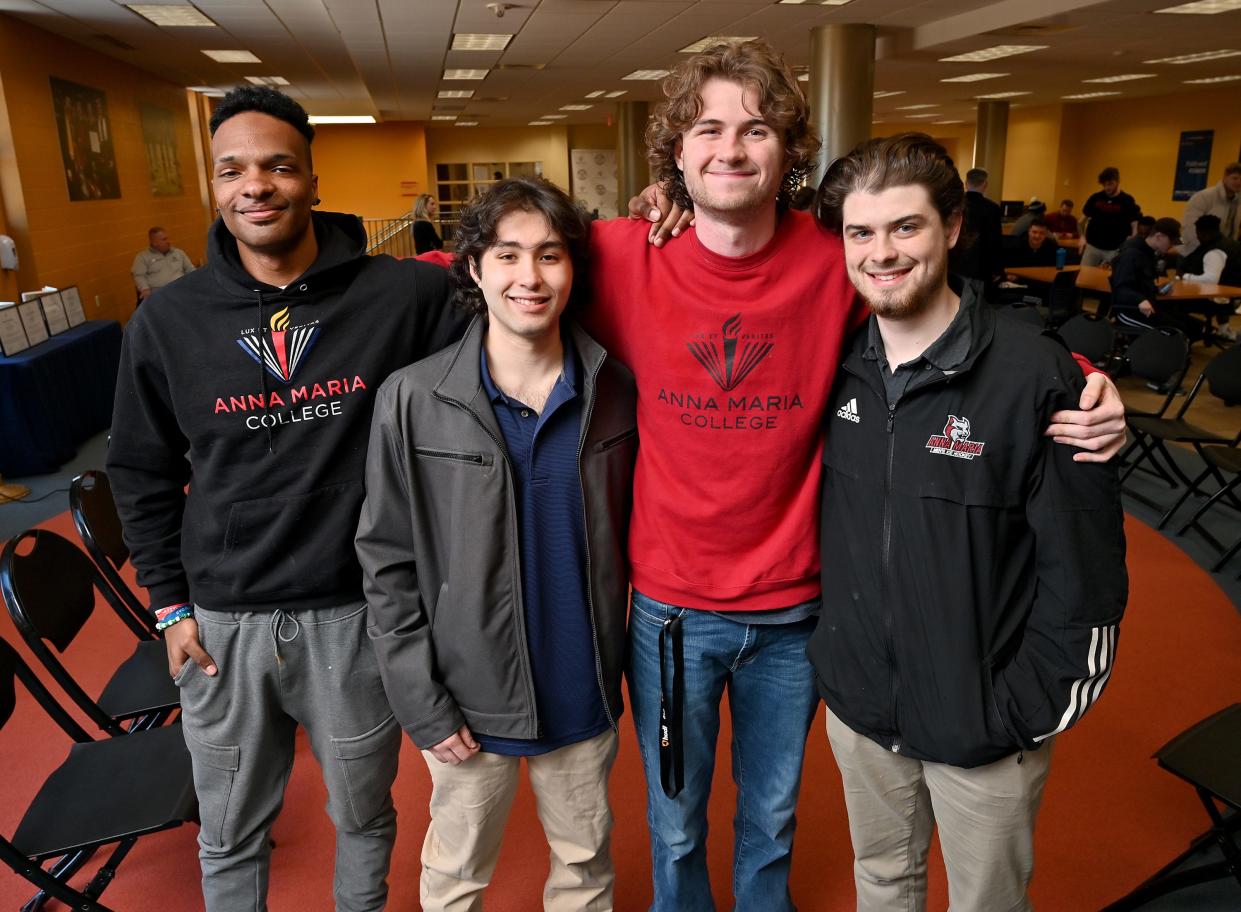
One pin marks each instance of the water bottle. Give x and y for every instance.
(1061, 256)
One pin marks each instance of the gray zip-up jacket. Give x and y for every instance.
(439, 551)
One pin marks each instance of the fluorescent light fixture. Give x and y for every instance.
(993, 53)
(172, 15)
(209, 91)
(647, 74)
(552, 116)
(1203, 7)
(617, 94)
(466, 74)
(889, 94)
(443, 116)
(974, 77)
(268, 80)
(917, 116)
(995, 95)
(940, 123)
(711, 40)
(917, 107)
(1084, 95)
(1126, 77)
(1196, 58)
(472, 42)
(804, 77)
(455, 93)
(466, 123)
(540, 123)
(232, 57)
(595, 94)
(818, 2)
(1213, 79)
(341, 119)
(576, 107)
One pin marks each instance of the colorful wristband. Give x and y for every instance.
(162, 613)
(179, 613)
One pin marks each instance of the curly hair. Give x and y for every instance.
(755, 65)
(263, 100)
(476, 234)
(891, 161)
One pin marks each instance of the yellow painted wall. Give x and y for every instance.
(550, 145)
(1141, 137)
(957, 139)
(90, 244)
(1031, 154)
(361, 167)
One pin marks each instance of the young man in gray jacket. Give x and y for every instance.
(492, 540)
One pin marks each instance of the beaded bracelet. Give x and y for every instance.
(164, 612)
(173, 616)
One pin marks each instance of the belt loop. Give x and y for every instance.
(671, 710)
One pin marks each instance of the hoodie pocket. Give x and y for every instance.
(298, 543)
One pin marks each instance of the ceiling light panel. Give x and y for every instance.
(576, 107)
(232, 57)
(540, 123)
(466, 74)
(940, 123)
(917, 107)
(617, 94)
(267, 80)
(172, 16)
(475, 42)
(995, 95)
(711, 40)
(466, 123)
(595, 94)
(1203, 7)
(975, 77)
(455, 93)
(552, 116)
(1126, 77)
(443, 116)
(647, 74)
(1196, 58)
(1081, 96)
(1213, 79)
(889, 94)
(917, 116)
(993, 53)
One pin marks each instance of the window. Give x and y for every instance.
(456, 183)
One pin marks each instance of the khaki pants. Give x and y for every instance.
(469, 807)
(985, 817)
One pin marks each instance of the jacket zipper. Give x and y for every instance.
(590, 601)
(524, 656)
(444, 454)
(889, 617)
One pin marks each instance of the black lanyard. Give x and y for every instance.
(671, 711)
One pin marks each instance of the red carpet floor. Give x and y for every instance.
(1110, 817)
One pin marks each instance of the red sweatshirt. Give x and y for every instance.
(734, 359)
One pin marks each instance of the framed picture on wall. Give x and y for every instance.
(159, 135)
(86, 146)
(12, 333)
(32, 321)
(54, 313)
(73, 305)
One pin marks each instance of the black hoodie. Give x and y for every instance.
(260, 398)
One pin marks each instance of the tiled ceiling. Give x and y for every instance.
(387, 57)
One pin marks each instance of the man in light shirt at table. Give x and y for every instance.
(158, 265)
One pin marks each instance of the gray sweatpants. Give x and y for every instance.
(277, 671)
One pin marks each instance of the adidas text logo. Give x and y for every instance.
(848, 411)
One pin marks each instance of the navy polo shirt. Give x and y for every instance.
(542, 452)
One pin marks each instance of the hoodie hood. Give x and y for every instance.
(341, 239)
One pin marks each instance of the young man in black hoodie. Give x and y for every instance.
(973, 574)
(252, 382)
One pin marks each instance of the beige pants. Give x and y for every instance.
(469, 807)
(985, 817)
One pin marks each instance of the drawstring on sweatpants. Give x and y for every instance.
(278, 618)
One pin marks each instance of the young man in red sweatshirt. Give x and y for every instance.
(734, 335)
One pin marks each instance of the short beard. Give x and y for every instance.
(907, 302)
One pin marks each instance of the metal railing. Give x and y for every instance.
(394, 237)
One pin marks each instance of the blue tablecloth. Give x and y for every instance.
(55, 395)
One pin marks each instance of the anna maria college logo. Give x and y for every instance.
(733, 358)
(955, 440)
(282, 350)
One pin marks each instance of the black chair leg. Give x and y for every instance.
(1226, 556)
(1192, 489)
(63, 869)
(1225, 491)
(104, 875)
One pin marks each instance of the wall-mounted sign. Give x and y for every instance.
(1192, 162)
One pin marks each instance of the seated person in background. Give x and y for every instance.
(426, 215)
(1035, 210)
(1215, 261)
(159, 264)
(1037, 249)
(1135, 279)
(1145, 224)
(1062, 222)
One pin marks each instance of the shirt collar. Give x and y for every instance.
(947, 353)
(568, 378)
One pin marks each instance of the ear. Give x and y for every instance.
(474, 273)
(954, 229)
(677, 157)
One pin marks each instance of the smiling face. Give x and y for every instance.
(732, 161)
(896, 248)
(526, 276)
(263, 182)
(1036, 236)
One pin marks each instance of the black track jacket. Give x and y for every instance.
(973, 574)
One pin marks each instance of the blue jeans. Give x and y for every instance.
(772, 696)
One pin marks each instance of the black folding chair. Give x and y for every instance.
(106, 792)
(1024, 313)
(1064, 301)
(1205, 756)
(94, 515)
(1218, 460)
(1151, 434)
(1089, 336)
(1159, 356)
(50, 594)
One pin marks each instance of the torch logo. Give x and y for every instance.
(735, 360)
(283, 350)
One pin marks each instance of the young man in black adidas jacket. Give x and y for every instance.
(252, 380)
(973, 573)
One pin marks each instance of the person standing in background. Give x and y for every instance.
(1111, 218)
(426, 217)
